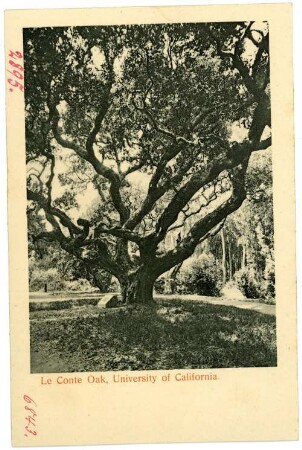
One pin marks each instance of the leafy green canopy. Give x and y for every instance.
(154, 119)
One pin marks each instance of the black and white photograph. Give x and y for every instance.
(153, 261)
(149, 197)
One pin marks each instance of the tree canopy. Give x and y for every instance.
(138, 133)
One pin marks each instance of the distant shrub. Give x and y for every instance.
(159, 285)
(262, 288)
(101, 281)
(247, 284)
(114, 285)
(202, 277)
(81, 285)
(268, 285)
(45, 279)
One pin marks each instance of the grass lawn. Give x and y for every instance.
(174, 334)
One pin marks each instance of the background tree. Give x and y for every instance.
(157, 124)
(241, 255)
(53, 269)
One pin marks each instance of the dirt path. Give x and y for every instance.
(37, 297)
(243, 304)
(253, 305)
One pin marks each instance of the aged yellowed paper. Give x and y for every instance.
(151, 224)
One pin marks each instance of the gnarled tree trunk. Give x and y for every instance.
(137, 288)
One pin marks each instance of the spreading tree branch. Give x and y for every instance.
(52, 211)
(204, 226)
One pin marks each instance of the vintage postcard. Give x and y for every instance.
(151, 224)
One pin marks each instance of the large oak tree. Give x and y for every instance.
(160, 121)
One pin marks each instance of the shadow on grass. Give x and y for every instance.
(174, 334)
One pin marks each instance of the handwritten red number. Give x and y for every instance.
(16, 74)
(15, 54)
(29, 400)
(30, 418)
(30, 421)
(18, 66)
(31, 431)
(32, 411)
(16, 84)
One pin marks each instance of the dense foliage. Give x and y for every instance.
(138, 136)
